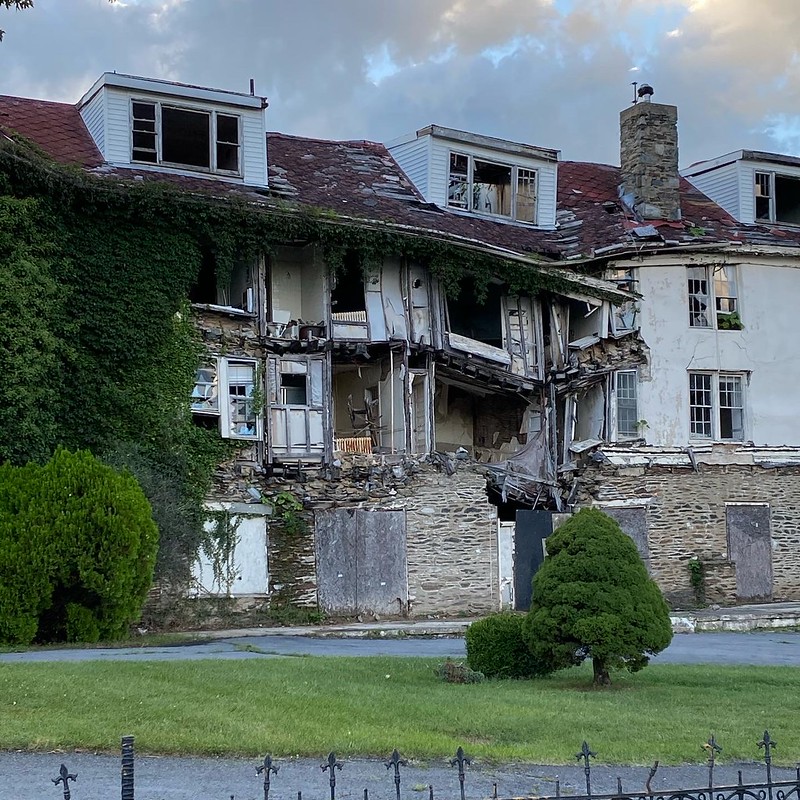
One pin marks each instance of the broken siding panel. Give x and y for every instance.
(375, 311)
(94, 117)
(413, 159)
(522, 340)
(312, 302)
(394, 301)
(420, 305)
(476, 348)
(286, 284)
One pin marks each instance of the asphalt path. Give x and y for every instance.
(754, 648)
(28, 776)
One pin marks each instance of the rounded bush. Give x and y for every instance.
(496, 647)
(77, 550)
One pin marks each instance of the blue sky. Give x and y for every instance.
(549, 72)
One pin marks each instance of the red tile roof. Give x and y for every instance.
(55, 127)
(360, 179)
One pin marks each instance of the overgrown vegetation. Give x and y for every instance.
(697, 579)
(497, 648)
(592, 598)
(77, 550)
(369, 706)
(97, 348)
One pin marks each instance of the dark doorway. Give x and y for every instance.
(532, 528)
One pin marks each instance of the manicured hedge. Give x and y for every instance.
(496, 647)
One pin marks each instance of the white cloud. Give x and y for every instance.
(552, 73)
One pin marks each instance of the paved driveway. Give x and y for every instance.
(755, 648)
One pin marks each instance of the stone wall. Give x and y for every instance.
(451, 528)
(686, 518)
(649, 159)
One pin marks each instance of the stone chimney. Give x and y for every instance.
(649, 158)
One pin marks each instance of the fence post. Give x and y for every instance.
(127, 768)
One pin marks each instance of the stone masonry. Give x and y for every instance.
(686, 518)
(649, 159)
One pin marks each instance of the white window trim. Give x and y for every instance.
(613, 422)
(222, 412)
(212, 132)
(514, 185)
(712, 297)
(715, 405)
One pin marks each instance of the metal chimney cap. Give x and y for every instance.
(645, 92)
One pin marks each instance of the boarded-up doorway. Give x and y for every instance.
(531, 529)
(361, 561)
(750, 549)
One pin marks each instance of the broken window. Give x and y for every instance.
(486, 187)
(241, 398)
(731, 408)
(479, 320)
(625, 383)
(165, 134)
(716, 406)
(777, 198)
(699, 299)
(714, 288)
(205, 395)
(296, 388)
(623, 316)
(238, 417)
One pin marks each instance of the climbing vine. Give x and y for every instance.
(97, 349)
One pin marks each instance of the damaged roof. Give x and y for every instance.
(360, 180)
(57, 128)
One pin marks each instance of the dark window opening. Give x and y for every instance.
(491, 188)
(481, 321)
(185, 137)
(293, 389)
(227, 143)
(205, 287)
(237, 292)
(787, 199)
(348, 291)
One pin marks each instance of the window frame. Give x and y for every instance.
(223, 410)
(715, 378)
(531, 174)
(712, 311)
(620, 435)
(771, 177)
(158, 133)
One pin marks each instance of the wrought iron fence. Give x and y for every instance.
(764, 788)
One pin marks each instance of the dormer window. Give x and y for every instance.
(185, 137)
(485, 187)
(777, 198)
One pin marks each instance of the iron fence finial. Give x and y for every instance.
(461, 759)
(65, 776)
(396, 762)
(586, 754)
(267, 767)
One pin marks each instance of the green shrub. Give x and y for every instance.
(77, 549)
(451, 671)
(592, 598)
(496, 647)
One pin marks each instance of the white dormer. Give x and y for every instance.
(752, 186)
(172, 127)
(480, 175)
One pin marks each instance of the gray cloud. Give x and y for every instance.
(550, 72)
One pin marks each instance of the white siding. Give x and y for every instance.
(413, 158)
(118, 127)
(117, 137)
(722, 186)
(93, 114)
(547, 175)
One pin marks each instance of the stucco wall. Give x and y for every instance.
(765, 349)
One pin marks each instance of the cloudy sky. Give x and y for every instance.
(550, 72)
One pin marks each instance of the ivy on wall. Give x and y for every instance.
(97, 349)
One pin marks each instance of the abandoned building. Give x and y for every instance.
(431, 434)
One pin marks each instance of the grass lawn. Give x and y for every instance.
(368, 706)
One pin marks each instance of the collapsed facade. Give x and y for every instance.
(409, 437)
